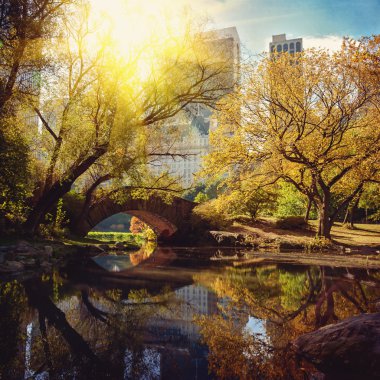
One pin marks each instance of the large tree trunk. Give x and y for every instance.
(87, 202)
(45, 203)
(349, 217)
(325, 223)
(50, 197)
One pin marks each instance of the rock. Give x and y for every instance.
(23, 246)
(2, 257)
(13, 266)
(48, 250)
(23, 243)
(46, 265)
(29, 263)
(6, 248)
(119, 245)
(348, 349)
(228, 239)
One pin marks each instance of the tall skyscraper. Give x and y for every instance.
(280, 44)
(193, 142)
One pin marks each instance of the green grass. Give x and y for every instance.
(125, 237)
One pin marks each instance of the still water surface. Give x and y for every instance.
(176, 313)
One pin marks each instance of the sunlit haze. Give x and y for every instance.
(133, 23)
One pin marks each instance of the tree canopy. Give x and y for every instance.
(310, 120)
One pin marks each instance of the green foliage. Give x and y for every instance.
(14, 174)
(72, 204)
(246, 202)
(149, 234)
(370, 201)
(294, 287)
(55, 225)
(139, 227)
(290, 201)
(201, 197)
(253, 202)
(211, 190)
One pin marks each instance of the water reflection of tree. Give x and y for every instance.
(13, 305)
(88, 332)
(290, 302)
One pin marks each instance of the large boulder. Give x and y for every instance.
(347, 350)
(12, 266)
(229, 239)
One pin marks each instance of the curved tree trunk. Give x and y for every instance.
(349, 217)
(50, 197)
(87, 202)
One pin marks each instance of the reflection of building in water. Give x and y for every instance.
(195, 300)
(175, 336)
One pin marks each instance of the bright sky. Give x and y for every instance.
(320, 22)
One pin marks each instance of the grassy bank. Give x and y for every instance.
(109, 238)
(365, 237)
(125, 237)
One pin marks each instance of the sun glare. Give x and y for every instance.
(134, 23)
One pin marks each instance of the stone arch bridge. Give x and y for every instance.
(166, 219)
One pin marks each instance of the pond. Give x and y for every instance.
(175, 313)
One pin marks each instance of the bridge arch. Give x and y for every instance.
(166, 219)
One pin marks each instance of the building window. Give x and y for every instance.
(285, 48)
(279, 48)
(298, 47)
(292, 46)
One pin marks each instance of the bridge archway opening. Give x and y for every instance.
(120, 222)
(162, 227)
(168, 220)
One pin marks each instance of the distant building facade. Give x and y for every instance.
(280, 44)
(193, 142)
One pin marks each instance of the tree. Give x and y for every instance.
(24, 26)
(137, 226)
(311, 121)
(101, 116)
(292, 203)
(201, 197)
(370, 201)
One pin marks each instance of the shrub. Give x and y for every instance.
(210, 213)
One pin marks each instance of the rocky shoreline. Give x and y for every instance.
(24, 256)
(251, 240)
